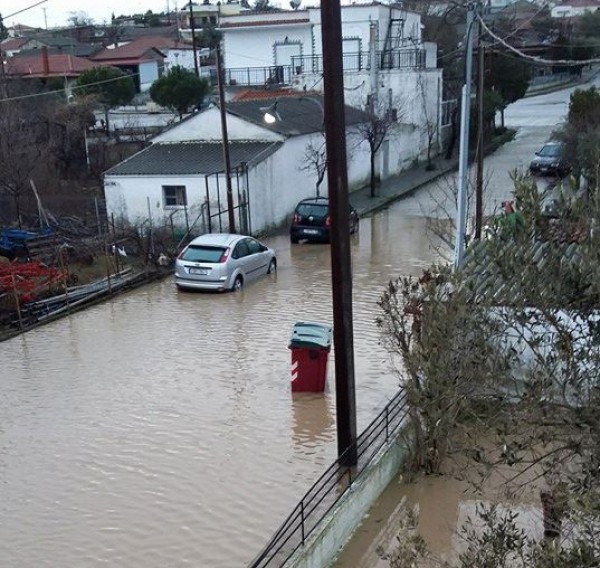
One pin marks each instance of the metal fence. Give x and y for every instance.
(331, 486)
(301, 64)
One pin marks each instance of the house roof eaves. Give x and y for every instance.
(190, 158)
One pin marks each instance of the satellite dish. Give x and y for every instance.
(295, 4)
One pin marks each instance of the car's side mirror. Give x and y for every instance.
(537, 153)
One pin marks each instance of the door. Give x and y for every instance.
(258, 258)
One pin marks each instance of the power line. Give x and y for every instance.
(74, 88)
(535, 58)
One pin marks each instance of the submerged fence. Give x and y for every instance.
(331, 486)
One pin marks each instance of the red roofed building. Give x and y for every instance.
(141, 58)
(43, 66)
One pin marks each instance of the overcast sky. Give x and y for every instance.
(58, 11)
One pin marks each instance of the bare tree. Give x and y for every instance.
(315, 161)
(22, 148)
(430, 120)
(382, 118)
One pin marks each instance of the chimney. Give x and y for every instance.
(45, 60)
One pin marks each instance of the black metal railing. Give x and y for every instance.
(305, 64)
(330, 487)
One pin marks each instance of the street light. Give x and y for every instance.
(271, 114)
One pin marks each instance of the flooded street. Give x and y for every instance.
(158, 429)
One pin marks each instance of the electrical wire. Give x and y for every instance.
(74, 88)
(536, 59)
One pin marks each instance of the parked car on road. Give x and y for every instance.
(311, 221)
(550, 160)
(221, 261)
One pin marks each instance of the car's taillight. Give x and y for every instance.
(225, 255)
(328, 221)
(296, 219)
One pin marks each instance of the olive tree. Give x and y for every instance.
(179, 90)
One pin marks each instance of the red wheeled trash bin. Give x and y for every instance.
(310, 345)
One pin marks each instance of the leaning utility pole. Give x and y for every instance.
(225, 137)
(339, 211)
(463, 158)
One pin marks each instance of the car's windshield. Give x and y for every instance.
(199, 253)
(312, 209)
(550, 150)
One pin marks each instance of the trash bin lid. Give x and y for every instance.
(310, 334)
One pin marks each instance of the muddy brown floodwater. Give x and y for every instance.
(158, 429)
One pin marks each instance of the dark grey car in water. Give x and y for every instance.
(550, 160)
(311, 221)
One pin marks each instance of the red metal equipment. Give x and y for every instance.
(26, 280)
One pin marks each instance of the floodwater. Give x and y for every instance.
(158, 429)
(444, 506)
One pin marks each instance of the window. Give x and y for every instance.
(241, 249)
(198, 253)
(254, 246)
(174, 195)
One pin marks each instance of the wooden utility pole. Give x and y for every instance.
(480, 139)
(225, 137)
(339, 210)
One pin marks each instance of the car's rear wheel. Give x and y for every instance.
(272, 266)
(238, 283)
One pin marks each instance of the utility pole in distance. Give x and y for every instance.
(231, 217)
(339, 211)
(194, 40)
(480, 138)
(463, 159)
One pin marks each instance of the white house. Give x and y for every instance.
(180, 179)
(384, 58)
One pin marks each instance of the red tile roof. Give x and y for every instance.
(13, 43)
(58, 66)
(137, 49)
(259, 94)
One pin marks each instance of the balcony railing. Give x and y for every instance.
(310, 64)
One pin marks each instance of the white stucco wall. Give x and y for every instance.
(275, 185)
(253, 45)
(148, 74)
(416, 107)
(206, 125)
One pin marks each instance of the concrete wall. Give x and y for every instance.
(338, 526)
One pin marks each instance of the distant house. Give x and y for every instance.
(41, 65)
(12, 46)
(140, 58)
(180, 178)
(574, 8)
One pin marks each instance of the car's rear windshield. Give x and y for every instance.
(314, 209)
(199, 253)
(551, 150)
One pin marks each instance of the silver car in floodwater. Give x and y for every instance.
(221, 261)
